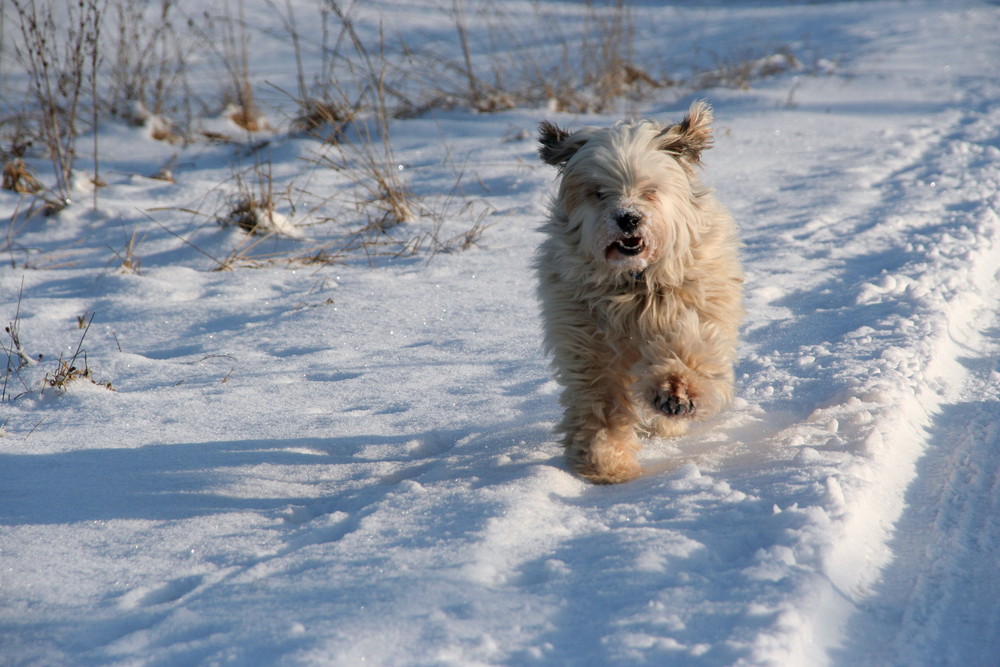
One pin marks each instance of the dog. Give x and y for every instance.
(640, 286)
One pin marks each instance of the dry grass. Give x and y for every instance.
(740, 69)
(250, 215)
(66, 371)
(323, 117)
(57, 45)
(323, 108)
(231, 47)
(17, 357)
(358, 88)
(149, 82)
(76, 367)
(128, 259)
(17, 177)
(589, 71)
(252, 207)
(367, 154)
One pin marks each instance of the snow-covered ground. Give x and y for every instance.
(352, 463)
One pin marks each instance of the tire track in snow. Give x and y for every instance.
(938, 602)
(885, 280)
(944, 589)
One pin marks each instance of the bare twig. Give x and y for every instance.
(16, 350)
(56, 58)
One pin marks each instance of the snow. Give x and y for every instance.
(352, 462)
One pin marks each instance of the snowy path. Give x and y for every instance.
(939, 601)
(927, 220)
(346, 466)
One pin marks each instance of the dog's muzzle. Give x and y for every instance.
(629, 243)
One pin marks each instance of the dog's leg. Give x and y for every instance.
(689, 374)
(601, 442)
(599, 417)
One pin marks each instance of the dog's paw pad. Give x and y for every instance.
(674, 406)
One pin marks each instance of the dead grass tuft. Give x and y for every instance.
(740, 69)
(254, 216)
(128, 259)
(76, 367)
(17, 177)
(248, 118)
(253, 206)
(325, 119)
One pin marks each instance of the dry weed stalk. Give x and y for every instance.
(606, 69)
(241, 102)
(591, 71)
(148, 72)
(740, 69)
(483, 96)
(253, 206)
(68, 370)
(128, 259)
(59, 56)
(17, 357)
(369, 155)
(323, 110)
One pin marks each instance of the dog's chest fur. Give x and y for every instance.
(636, 308)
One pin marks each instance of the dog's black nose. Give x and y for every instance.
(628, 221)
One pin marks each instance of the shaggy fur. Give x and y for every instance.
(640, 287)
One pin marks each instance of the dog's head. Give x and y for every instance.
(628, 193)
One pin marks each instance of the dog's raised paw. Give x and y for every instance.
(673, 406)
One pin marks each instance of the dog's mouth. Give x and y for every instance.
(629, 250)
(626, 249)
(629, 246)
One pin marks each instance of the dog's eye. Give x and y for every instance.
(649, 195)
(600, 195)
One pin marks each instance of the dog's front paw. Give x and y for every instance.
(673, 406)
(604, 456)
(674, 400)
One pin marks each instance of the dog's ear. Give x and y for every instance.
(691, 136)
(557, 145)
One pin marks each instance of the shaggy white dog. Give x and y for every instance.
(640, 286)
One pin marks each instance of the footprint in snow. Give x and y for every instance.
(170, 591)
